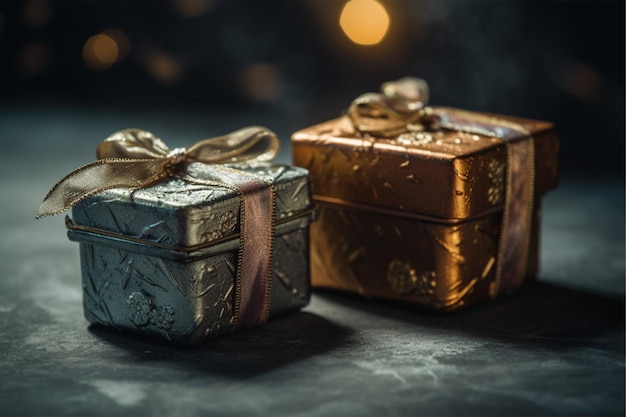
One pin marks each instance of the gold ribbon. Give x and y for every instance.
(402, 106)
(135, 158)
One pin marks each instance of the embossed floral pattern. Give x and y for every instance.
(213, 235)
(405, 281)
(142, 312)
(495, 193)
(139, 308)
(162, 317)
(226, 225)
(425, 284)
(401, 277)
(228, 221)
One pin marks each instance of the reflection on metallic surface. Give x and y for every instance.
(426, 200)
(440, 266)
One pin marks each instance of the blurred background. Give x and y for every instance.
(180, 67)
(73, 72)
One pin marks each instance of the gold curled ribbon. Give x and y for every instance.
(402, 106)
(134, 158)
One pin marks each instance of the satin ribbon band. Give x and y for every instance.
(402, 106)
(135, 158)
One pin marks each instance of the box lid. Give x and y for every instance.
(440, 174)
(179, 213)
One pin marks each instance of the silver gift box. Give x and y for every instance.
(162, 260)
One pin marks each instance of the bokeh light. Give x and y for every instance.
(260, 82)
(582, 81)
(35, 14)
(163, 67)
(32, 59)
(193, 8)
(100, 52)
(365, 22)
(122, 41)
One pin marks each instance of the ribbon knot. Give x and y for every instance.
(400, 106)
(135, 158)
(177, 154)
(176, 162)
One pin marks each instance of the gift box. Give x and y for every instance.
(429, 205)
(198, 250)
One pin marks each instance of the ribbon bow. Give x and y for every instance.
(134, 158)
(400, 106)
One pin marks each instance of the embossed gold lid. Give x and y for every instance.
(443, 174)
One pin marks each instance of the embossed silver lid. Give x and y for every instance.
(179, 213)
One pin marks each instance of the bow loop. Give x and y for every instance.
(401, 106)
(132, 144)
(250, 143)
(412, 90)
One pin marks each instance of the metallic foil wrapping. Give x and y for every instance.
(417, 215)
(163, 259)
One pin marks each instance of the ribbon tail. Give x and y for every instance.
(98, 176)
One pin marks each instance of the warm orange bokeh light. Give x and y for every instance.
(163, 67)
(260, 82)
(100, 52)
(120, 38)
(33, 59)
(193, 8)
(35, 14)
(365, 22)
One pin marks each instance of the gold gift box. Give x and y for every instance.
(429, 205)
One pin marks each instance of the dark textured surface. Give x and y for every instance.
(554, 348)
